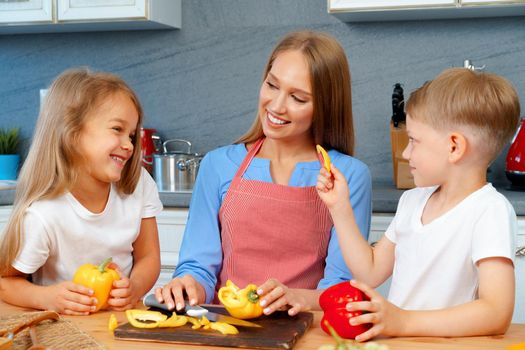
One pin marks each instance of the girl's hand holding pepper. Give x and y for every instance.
(121, 296)
(68, 298)
(387, 319)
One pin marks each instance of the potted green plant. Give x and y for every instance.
(9, 159)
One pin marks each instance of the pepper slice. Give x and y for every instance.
(240, 303)
(138, 318)
(174, 321)
(112, 324)
(323, 157)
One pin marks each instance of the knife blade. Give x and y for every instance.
(199, 311)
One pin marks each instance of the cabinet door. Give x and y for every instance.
(491, 2)
(334, 5)
(519, 266)
(16, 11)
(74, 10)
(171, 223)
(378, 226)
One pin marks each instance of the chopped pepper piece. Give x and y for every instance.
(323, 157)
(240, 303)
(99, 278)
(224, 328)
(174, 321)
(113, 324)
(138, 318)
(196, 323)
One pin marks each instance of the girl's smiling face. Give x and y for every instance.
(285, 99)
(106, 140)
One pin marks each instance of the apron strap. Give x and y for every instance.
(246, 162)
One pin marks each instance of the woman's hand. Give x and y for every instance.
(68, 298)
(276, 296)
(386, 318)
(172, 294)
(332, 187)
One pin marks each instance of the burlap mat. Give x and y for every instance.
(57, 335)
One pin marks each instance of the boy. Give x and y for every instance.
(450, 245)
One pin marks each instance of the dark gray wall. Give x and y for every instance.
(201, 82)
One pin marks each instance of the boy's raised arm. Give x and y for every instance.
(370, 265)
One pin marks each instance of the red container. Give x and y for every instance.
(515, 166)
(150, 141)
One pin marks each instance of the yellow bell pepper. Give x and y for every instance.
(99, 278)
(139, 318)
(240, 303)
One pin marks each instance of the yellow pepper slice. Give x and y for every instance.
(174, 321)
(99, 278)
(195, 322)
(138, 318)
(240, 303)
(113, 324)
(323, 157)
(224, 328)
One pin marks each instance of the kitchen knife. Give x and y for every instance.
(199, 311)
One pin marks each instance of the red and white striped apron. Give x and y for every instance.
(272, 231)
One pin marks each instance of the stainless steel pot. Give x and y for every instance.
(176, 170)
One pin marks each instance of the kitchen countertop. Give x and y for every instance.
(96, 326)
(384, 198)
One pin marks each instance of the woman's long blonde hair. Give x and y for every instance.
(332, 125)
(51, 167)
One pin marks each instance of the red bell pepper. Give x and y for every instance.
(333, 302)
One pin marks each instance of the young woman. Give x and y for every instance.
(255, 216)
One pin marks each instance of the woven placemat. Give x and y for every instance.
(56, 335)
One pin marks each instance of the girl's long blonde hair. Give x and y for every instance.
(332, 125)
(51, 167)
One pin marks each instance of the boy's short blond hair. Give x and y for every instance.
(485, 104)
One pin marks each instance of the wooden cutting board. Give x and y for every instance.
(278, 331)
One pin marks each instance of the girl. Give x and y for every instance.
(82, 197)
(255, 203)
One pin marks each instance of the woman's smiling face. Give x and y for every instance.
(285, 99)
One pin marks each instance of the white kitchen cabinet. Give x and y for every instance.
(384, 10)
(171, 223)
(519, 265)
(91, 15)
(26, 11)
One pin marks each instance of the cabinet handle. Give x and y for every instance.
(520, 251)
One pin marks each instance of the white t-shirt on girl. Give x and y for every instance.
(60, 234)
(435, 264)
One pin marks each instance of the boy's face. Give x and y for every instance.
(427, 153)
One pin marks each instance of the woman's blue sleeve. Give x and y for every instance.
(200, 253)
(360, 184)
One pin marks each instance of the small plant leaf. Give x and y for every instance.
(9, 139)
